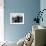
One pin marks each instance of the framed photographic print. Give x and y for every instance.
(16, 18)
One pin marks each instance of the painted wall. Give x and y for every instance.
(1, 20)
(29, 8)
(43, 6)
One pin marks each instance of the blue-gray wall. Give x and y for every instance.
(29, 8)
(43, 6)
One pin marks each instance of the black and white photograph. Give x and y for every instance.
(16, 18)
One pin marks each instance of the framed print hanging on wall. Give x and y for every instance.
(16, 18)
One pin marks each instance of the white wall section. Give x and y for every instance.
(1, 20)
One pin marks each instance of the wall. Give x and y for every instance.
(1, 20)
(43, 6)
(29, 8)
